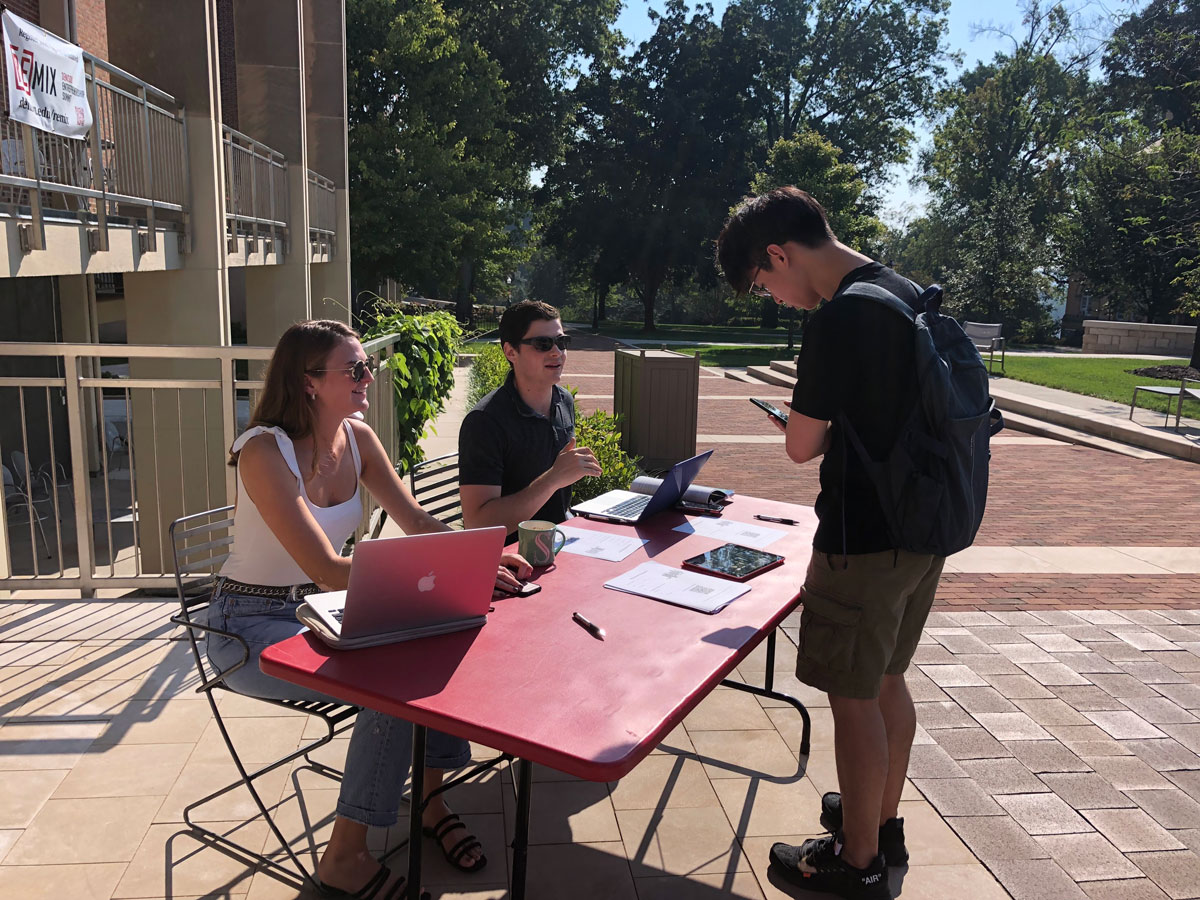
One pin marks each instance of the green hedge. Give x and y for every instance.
(422, 367)
(600, 432)
(487, 372)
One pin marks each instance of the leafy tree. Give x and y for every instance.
(858, 72)
(451, 105)
(541, 47)
(1001, 261)
(1153, 65)
(428, 147)
(997, 174)
(1133, 232)
(660, 153)
(809, 161)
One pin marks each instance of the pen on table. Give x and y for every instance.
(776, 519)
(590, 627)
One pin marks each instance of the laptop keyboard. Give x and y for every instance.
(630, 508)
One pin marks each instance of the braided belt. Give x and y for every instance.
(266, 590)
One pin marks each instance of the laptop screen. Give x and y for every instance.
(677, 480)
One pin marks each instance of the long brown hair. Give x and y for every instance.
(283, 402)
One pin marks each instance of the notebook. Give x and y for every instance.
(628, 507)
(409, 587)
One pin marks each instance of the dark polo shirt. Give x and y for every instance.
(503, 441)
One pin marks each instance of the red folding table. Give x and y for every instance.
(537, 687)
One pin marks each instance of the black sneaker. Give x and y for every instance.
(815, 866)
(891, 832)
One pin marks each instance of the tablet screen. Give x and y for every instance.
(734, 560)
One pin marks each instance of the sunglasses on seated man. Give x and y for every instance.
(358, 371)
(542, 343)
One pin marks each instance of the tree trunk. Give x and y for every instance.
(464, 310)
(770, 313)
(1195, 361)
(648, 299)
(604, 289)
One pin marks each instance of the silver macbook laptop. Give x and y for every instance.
(628, 507)
(412, 586)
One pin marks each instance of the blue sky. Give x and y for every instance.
(965, 16)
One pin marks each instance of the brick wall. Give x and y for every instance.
(91, 26)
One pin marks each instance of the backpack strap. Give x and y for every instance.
(869, 291)
(929, 301)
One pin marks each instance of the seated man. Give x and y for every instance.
(517, 457)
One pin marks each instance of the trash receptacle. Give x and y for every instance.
(656, 396)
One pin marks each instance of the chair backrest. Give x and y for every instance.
(199, 545)
(434, 484)
(983, 331)
(18, 461)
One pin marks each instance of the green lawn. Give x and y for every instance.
(1108, 379)
(701, 334)
(738, 355)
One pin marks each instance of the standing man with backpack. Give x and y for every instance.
(899, 491)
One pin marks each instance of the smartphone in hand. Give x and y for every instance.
(526, 589)
(773, 411)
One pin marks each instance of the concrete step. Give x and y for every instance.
(741, 377)
(770, 376)
(1028, 425)
(786, 366)
(1111, 428)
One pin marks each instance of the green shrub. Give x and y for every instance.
(487, 372)
(422, 365)
(600, 432)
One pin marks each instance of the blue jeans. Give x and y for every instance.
(380, 752)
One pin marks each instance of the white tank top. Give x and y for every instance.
(257, 556)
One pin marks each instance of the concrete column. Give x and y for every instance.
(77, 309)
(178, 445)
(328, 153)
(271, 108)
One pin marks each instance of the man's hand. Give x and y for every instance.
(774, 421)
(572, 464)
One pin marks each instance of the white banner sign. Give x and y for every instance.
(46, 87)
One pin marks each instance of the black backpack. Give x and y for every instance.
(933, 484)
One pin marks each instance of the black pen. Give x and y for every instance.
(776, 519)
(590, 627)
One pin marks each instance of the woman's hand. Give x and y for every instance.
(510, 562)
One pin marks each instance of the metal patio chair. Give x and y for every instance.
(434, 485)
(20, 493)
(200, 544)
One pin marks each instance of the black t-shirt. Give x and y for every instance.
(503, 442)
(857, 358)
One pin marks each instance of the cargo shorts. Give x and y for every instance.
(862, 618)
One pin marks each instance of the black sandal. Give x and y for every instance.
(369, 890)
(455, 854)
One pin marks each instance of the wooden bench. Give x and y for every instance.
(987, 336)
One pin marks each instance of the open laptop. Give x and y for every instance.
(628, 507)
(408, 587)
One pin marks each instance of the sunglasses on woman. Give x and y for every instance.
(542, 343)
(358, 370)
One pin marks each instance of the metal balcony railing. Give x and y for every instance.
(322, 212)
(133, 163)
(256, 190)
(97, 463)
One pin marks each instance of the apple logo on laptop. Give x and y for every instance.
(426, 583)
